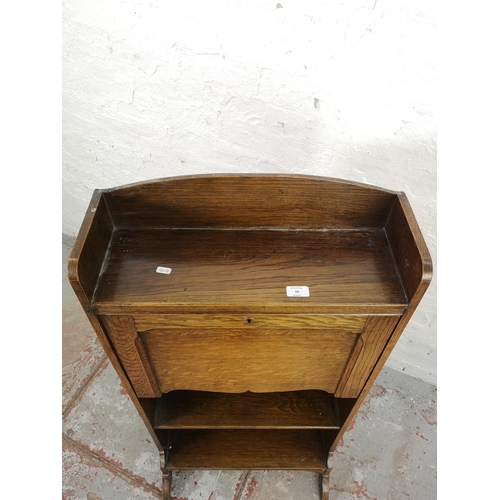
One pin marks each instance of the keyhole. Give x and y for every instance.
(249, 321)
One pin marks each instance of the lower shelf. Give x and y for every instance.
(212, 410)
(245, 449)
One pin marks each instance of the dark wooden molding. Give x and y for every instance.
(368, 349)
(128, 345)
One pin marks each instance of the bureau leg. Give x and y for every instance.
(165, 486)
(324, 485)
(325, 479)
(166, 477)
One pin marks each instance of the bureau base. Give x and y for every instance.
(247, 431)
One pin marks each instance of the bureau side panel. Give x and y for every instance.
(410, 252)
(84, 266)
(128, 345)
(88, 252)
(367, 351)
(239, 360)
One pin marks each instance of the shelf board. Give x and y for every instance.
(349, 271)
(246, 449)
(310, 409)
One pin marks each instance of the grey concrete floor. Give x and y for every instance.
(389, 453)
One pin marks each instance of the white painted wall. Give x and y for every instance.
(340, 89)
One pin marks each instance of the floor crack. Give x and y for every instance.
(243, 483)
(79, 392)
(98, 460)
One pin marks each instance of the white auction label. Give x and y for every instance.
(163, 270)
(297, 291)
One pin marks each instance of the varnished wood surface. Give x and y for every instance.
(415, 264)
(87, 255)
(248, 271)
(369, 347)
(165, 485)
(84, 265)
(325, 486)
(213, 410)
(409, 249)
(144, 322)
(221, 320)
(132, 354)
(247, 449)
(143, 410)
(249, 359)
(349, 407)
(242, 201)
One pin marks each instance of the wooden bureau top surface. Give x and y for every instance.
(215, 270)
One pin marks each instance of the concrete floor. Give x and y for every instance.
(389, 453)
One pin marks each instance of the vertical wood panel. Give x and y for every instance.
(408, 246)
(257, 360)
(347, 412)
(84, 265)
(246, 200)
(87, 255)
(368, 349)
(121, 330)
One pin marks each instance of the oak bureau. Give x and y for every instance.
(248, 316)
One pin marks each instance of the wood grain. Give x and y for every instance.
(84, 264)
(325, 479)
(213, 410)
(248, 271)
(88, 252)
(100, 330)
(239, 360)
(146, 322)
(369, 347)
(349, 407)
(165, 485)
(409, 249)
(243, 201)
(221, 321)
(416, 273)
(247, 449)
(121, 330)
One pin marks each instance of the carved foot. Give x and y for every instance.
(166, 477)
(165, 486)
(325, 479)
(325, 485)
